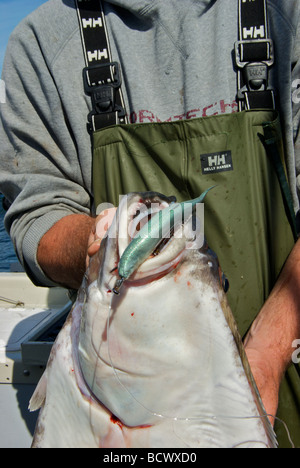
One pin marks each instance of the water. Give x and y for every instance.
(7, 254)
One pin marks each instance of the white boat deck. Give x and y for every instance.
(26, 312)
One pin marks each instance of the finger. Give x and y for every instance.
(94, 247)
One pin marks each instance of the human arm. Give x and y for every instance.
(45, 155)
(64, 251)
(269, 343)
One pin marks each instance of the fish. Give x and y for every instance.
(150, 235)
(159, 365)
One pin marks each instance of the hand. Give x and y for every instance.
(102, 223)
(267, 380)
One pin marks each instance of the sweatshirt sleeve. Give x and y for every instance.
(40, 172)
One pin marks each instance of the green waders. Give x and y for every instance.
(248, 220)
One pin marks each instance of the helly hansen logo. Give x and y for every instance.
(97, 55)
(216, 162)
(254, 32)
(92, 23)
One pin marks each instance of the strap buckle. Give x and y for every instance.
(254, 58)
(254, 50)
(110, 74)
(103, 92)
(255, 77)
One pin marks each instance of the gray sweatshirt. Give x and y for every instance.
(177, 64)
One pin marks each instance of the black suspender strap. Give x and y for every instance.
(254, 55)
(101, 76)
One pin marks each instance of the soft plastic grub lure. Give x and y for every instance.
(150, 236)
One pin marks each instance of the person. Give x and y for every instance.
(179, 80)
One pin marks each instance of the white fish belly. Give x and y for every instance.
(166, 365)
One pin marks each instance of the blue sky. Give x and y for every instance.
(11, 13)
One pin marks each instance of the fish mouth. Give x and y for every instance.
(133, 213)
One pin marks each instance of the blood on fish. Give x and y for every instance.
(116, 421)
(176, 277)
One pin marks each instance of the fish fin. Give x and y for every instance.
(39, 395)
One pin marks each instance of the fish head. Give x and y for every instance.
(184, 235)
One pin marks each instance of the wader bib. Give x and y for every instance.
(248, 216)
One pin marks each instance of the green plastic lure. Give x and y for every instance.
(150, 236)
